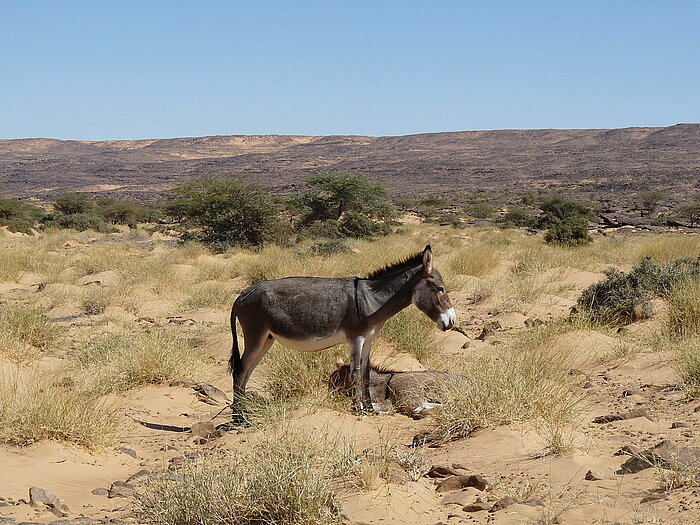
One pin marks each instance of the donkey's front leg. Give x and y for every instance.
(360, 374)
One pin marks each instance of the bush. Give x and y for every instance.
(18, 216)
(517, 216)
(359, 226)
(413, 332)
(126, 212)
(360, 206)
(527, 382)
(570, 231)
(225, 213)
(72, 203)
(77, 221)
(328, 248)
(623, 298)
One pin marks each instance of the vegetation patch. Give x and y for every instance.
(116, 363)
(23, 331)
(528, 382)
(413, 332)
(283, 479)
(623, 298)
(34, 408)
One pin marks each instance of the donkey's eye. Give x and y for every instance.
(440, 289)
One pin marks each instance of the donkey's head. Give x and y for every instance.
(430, 296)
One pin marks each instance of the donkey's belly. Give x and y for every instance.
(312, 344)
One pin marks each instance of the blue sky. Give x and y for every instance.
(137, 69)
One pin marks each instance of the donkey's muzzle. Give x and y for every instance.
(447, 320)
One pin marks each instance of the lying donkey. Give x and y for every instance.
(411, 393)
(313, 313)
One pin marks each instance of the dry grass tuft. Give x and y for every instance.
(116, 363)
(291, 375)
(474, 260)
(530, 381)
(34, 409)
(684, 309)
(687, 362)
(413, 332)
(24, 331)
(283, 479)
(209, 295)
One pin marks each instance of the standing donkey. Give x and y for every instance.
(313, 313)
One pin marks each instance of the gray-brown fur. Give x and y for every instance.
(411, 393)
(312, 313)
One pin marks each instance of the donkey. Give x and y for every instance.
(313, 313)
(412, 393)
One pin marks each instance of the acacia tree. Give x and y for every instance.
(357, 204)
(690, 212)
(226, 212)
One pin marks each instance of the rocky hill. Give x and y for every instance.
(599, 162)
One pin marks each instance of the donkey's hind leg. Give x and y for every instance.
(256, 346)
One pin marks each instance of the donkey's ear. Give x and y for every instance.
(428, 259)
(339, 362)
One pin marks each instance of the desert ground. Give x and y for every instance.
(113, 377)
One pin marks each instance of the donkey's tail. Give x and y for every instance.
(234, 361)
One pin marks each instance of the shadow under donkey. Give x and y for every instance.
(412, 393)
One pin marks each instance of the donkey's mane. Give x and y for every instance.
(401, 266)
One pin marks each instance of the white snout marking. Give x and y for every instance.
(448, 318)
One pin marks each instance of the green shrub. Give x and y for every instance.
(570, 231)
(126, 212)
(360, 206)
(517, 216)
(18, 216)
(72, 203)
(225, 213)
(77, 221)
(357, 225)
(623, 298)
(480, 210)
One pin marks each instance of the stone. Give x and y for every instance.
(460, 482)
(665, 455)
(628, 450)
(441, 471)
(120, 489)
(140, 474)
(129, 452)
(99, 491)
(679, 424)
(458, 498)
(598, 475)
(653, 498)
(206, 430)
(640, 412)
(40, 498)
(210, 394)
(508, 501)
(476, 507)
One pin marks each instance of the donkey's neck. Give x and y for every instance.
(379, 299)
